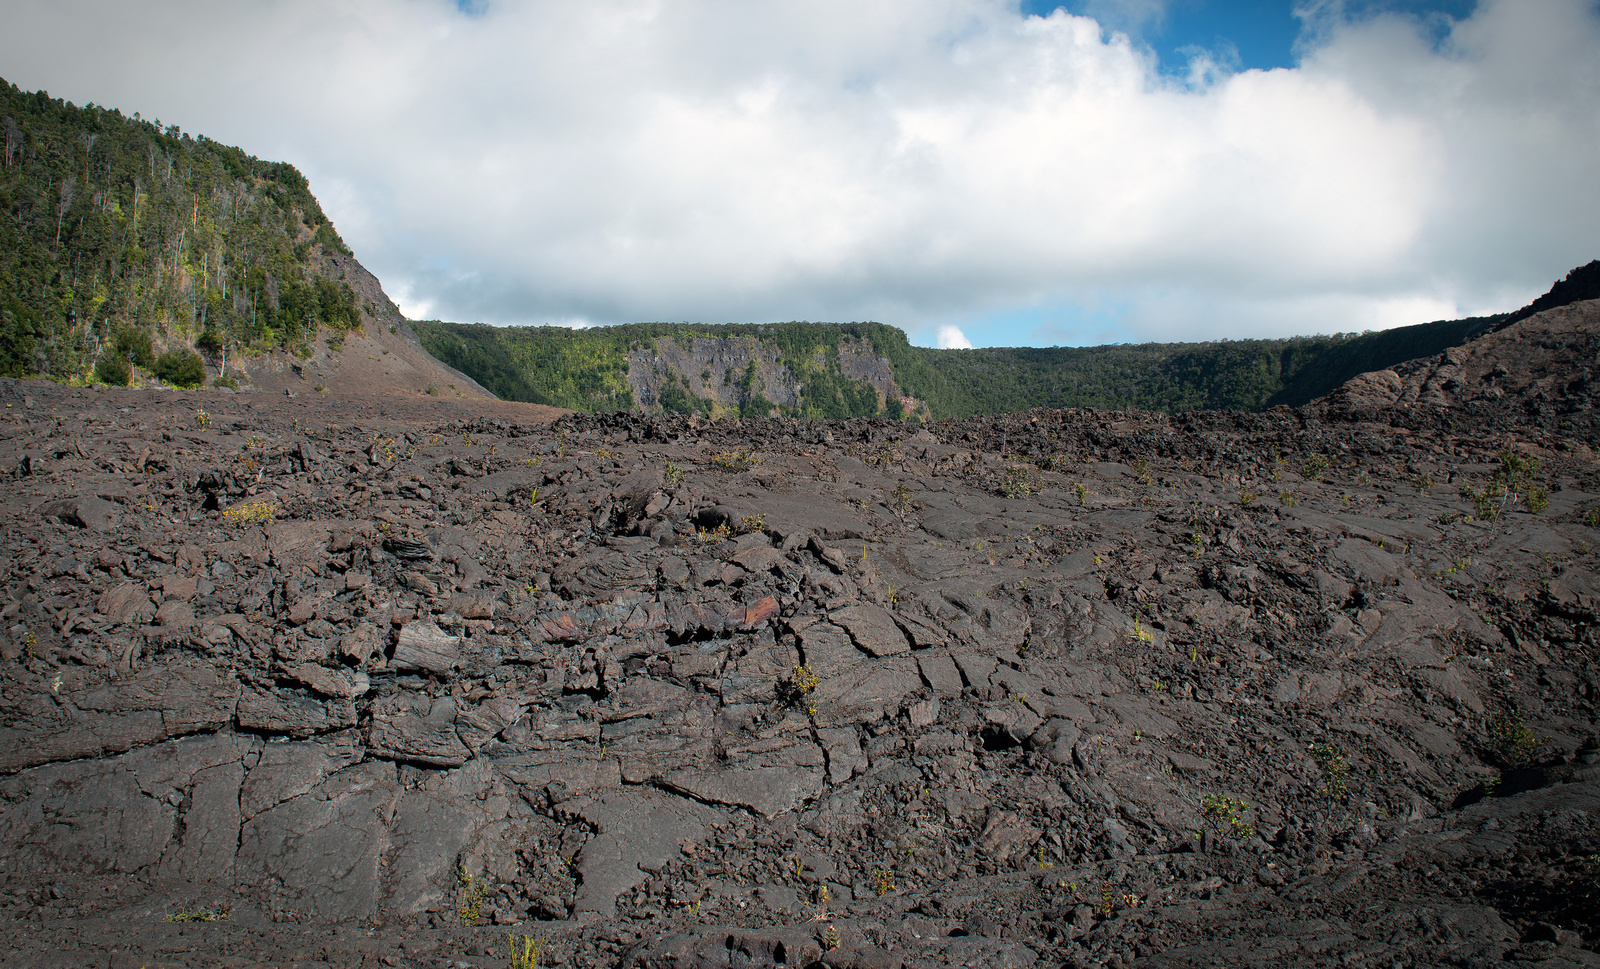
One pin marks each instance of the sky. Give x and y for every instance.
(975, 172)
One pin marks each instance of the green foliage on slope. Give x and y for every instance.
(1247, 375)
(111, 225)
(581, 369)
(586, 369)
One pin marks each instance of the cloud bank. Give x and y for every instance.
(926, 163)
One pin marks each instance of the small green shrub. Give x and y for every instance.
(1513, 481)
(180, 368)
(1511, 741)
(1230, 813)
(805, 679)
(1484, 507)
(1335, 771)
(471, 894)
(882, 883)
(902, 499)
(113, 369)
(527, 956)
(737, 460)
(707, 536)
(798, 690)
(1537, 499)
(1016, 483)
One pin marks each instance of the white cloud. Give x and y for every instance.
(951, 338)
(920, 162)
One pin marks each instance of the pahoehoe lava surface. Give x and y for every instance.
(369, 681)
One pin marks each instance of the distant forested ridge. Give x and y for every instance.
(589, 370)
(828, 370)
(120, 238)
(806, 369)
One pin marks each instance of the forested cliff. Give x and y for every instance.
(120, 238)
(867, 369)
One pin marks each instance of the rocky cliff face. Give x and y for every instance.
(732, 373)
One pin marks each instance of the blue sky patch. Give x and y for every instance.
(1241, 34)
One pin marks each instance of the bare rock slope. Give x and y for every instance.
(348, 680)
(1538, 370)
(382, 356)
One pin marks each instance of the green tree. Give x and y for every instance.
(112, 369)
(181, 368)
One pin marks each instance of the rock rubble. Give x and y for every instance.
(382, 682)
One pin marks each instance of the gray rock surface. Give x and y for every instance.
(1219, 690)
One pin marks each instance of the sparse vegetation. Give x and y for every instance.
(1016, 482)
(1229, 813)
(803, 682)
(470, 894)
(902, 500)
(252, 511)
(1512, 743)
(742, 460)
(1335, 771)
(707, 536)
(222, 913)
(525, 956)
(1512, 482)
(882, 882)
